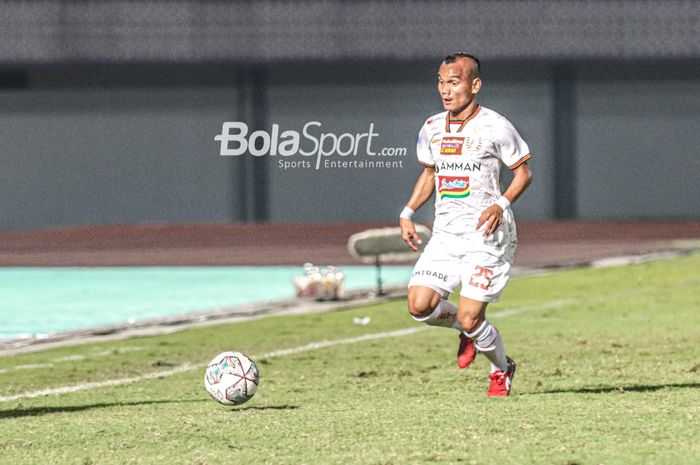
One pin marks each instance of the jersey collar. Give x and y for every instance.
(448, 120)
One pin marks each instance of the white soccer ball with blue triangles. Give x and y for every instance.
(231, 378)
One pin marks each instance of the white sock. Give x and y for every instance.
(444, 315)
(488, 341)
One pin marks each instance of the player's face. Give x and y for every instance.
(456, 86)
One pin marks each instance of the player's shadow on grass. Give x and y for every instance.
(620, 389)
(266, 407)
(38, 411)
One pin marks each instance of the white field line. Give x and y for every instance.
(32, 366)
(74, 358)
(337, 342)
(87, 386)
(553, 304)
(189, 366)
(305, 348)
(531, 308)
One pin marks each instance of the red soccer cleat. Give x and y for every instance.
(466, 352)
(501, 382)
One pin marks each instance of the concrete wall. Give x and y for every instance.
(91, 156)
(397, 101)
(197, 31)
(123, 147)
(637, 146)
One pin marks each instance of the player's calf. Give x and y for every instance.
(488, 341)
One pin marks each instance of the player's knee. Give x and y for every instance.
(419, 307)
(421, 304)
(470, 323)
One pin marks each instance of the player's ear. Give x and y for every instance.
(476, 85)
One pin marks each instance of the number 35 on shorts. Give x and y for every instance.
(481, 278)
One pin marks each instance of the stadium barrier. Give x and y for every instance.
(384, 245)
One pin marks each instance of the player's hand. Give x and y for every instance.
(409, 234)
(492, 217)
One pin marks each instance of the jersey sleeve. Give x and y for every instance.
(425, 156)
(511, 148)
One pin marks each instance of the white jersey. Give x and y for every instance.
(467, 157)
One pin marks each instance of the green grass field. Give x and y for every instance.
(608, 373)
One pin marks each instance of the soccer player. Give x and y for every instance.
(474, 237)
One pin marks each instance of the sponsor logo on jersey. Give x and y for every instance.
(451, 146)
(431, 274)
(453, 187)
(458, 166)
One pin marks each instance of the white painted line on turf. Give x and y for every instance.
(188, 366)
(312, 346)
(530, 308)
(337, 342)
(71, 358)
(87, 386)
(572, 301)
(74, 358)
(32, 366)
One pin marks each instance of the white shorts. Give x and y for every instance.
(480, 265)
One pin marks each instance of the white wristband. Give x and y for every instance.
(503, 202)
(407, 213)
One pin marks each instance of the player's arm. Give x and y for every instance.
(422, 191)
(493, 215)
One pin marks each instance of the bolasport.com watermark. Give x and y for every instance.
(312, 148)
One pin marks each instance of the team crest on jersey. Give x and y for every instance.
(453, 187)
(474, 143)
(451, 146)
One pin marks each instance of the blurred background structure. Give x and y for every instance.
(108, 110)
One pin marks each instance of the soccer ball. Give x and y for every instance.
(231, 378)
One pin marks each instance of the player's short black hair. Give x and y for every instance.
(451, 58)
